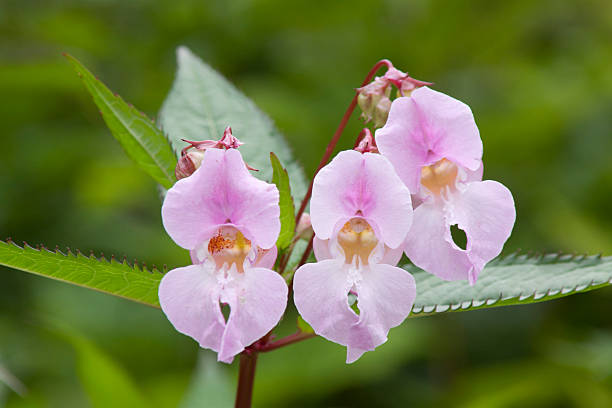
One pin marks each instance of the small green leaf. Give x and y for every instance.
(287, 210)
(303, 326)
(202, 103)
(138, 135)
(113, 277)
(516, 279)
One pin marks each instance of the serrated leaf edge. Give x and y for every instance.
(474, 304)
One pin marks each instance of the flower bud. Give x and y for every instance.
(373, 98)
(304, 227)
(188, 164)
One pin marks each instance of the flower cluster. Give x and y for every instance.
(399, 192)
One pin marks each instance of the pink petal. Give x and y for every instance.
(221, 191)
(426, 127)
(356, 184)
(321, 249)
(320, 295)
(385, 297)
(257, 300)
(484, 210)
(266, 258)
(189, 296)
(385, 294)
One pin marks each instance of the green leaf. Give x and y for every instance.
(202, 104)
(303, 325)
(287, 210)
(516, 279)
(138, 135)
(113, 277)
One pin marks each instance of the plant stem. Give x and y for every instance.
(246, 377)
(293, 338)
(334, 141)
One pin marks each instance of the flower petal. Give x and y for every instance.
(321, 297)
(266, 258)
(385, 296)
(484, 210)
(426, 127)
(321, 249)
(366, 185)
(221, 191)
(257, 300)
(189, 296)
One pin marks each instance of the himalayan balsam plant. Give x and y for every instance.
(412, 184)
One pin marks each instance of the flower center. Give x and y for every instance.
(229, 247)
(357, 239)
(439, 176)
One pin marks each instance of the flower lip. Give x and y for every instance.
(229, 247)
(439, 177)
(357, 239)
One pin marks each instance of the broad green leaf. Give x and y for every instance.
(516, 279)
(138, 135)
(287, 210)
(202, 104)
(113, 277)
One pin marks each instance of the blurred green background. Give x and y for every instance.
(537, 74)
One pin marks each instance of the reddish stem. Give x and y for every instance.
(292, 338)
(334, 141)
(246, 377)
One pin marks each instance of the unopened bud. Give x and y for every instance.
(373, 97)
(304, 227)
(188, 164)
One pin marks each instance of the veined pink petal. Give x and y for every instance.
(189, 296)
(322, 252)
(425, 128)
(257, 299)
(221, 192)
(484, 210)
(320, 295)
(356, 184)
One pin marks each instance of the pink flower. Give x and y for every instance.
(360, 213)
(434, 144)
(229, 220)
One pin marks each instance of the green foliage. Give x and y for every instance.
(104, 380)
(507, 281)
(138, 135)
(303, 325)
(516, 279)
(210, 385)
(202, 104)
(116, 278)
(287, 210)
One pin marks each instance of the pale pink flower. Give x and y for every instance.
(433, 142)
(360, 213)
(229, 220)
